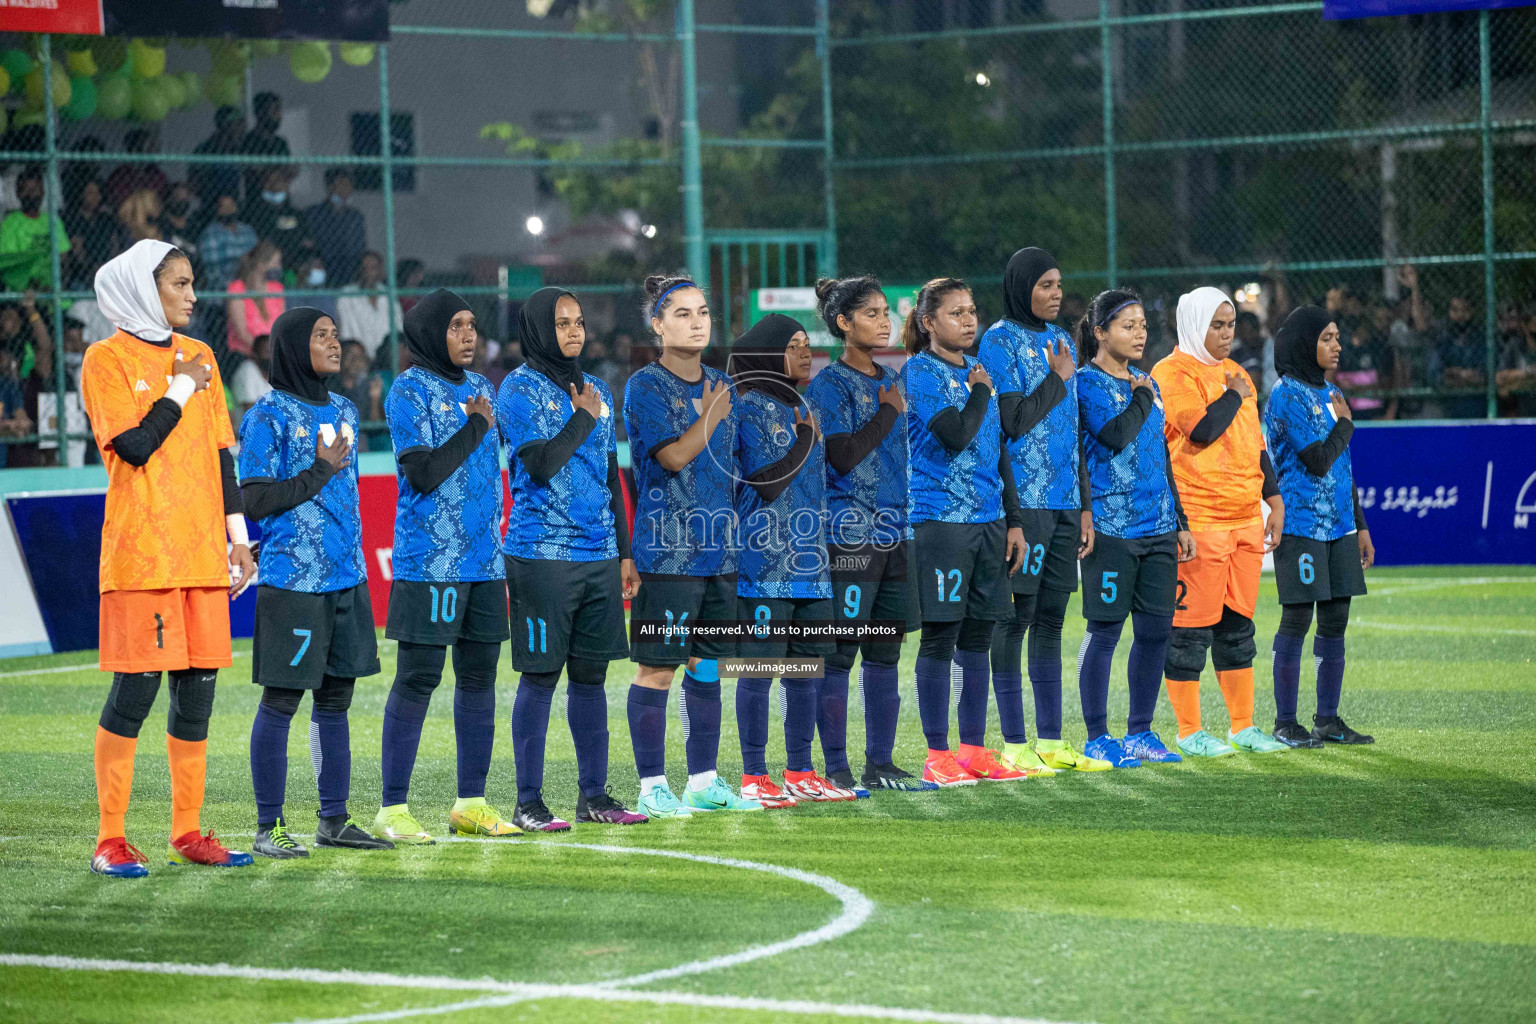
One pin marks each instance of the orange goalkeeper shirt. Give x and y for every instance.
(165, 520)
(1221, 483)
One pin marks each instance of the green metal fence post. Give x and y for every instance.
(1107, 78)
(693, 189)
(824, 52)
(1485, 88)
(51, 211)
(387, 183)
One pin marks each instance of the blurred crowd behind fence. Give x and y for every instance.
(1383, 167)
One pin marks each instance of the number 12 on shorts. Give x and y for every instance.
(955, 578)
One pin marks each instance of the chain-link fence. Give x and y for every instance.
(1381, 166)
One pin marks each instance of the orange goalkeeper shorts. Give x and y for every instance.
(165, 630)
(1225, 571)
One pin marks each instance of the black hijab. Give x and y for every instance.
(1296, 345)
(293, 370)
(426, 332)
(1025, 269)
(536, 335)
(757, 358)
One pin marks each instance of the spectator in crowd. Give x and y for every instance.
(38, 382)
(338, 229)
(1409, 338)
(73, 174)
(313, 273)
(382, 368)
(94, 323)
(210, 181)
(1517, 365)
(263, 140)
(138, 175)
(409, 273)
(75, 345)
(256, 297)
(22, 331)
(277, 220)
(1365, 366)
(363, 388)
(92, 230)
(176, 225)
(139, 216)
(1461, 357)
(223, 242)
(13, 414)
(26, 139)
(1073, 306)
(365, 317)
(24, 257)
(253, 377)
(1248, 346)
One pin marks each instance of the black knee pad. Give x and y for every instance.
(191, 703)
(281, 700)
(129, 701)
(1186, 653)
(1233, 644)
(334, 695)
(881, 652)
(938, 640)
(585, 672)
(1295, 619)
(975, 635)
(843, 655)
(1333, 618)
(418, 671)
(474, 665)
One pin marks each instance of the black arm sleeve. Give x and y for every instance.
(1173, 485)
(1271, 485)
(844, 451)
(1084, 488)
(616, 504)
(425, 471)
(546, 458)
(770, 481)
(956, 428)
(1013, 512)
(232, 500)
(1319, 456)
(1122, 430)
(1022, 413)
(136, 444)
(265, 498)
(1359, 512)
(1218, 417)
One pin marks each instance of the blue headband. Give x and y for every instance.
(1111, 314)
(656, 306)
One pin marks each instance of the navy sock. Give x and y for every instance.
(1093, 663)
(269, 762)
(700, 710)
(586, 711)
(647, 710)
(933, 701)
(1149, 651)
(752, 723)
(330, 749)
(1287, 676)
(882, 707)
(1328, 651)
(530, 725)
(832, 719)
(474, 733)
(799, 723)
(1009, 688)
(975, 684)
(1045, 681)
(402, 735)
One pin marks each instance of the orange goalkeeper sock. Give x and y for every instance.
(1237, 688)
(1184, 695)
(114, 781)
(189, 767)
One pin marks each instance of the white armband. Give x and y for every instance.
(235, 524)
(182, 388)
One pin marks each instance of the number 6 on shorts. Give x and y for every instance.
(1304, 566)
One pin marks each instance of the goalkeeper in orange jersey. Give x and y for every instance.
(156, 405)
(1223, 472)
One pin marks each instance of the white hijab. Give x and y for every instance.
(126, 291)
(1196, 309)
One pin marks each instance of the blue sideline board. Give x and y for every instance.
(1342, 9)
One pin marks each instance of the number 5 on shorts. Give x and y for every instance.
(1304, 566)
(1108, 591)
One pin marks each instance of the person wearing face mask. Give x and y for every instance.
(339, 230)
(24, 258)
(313, 274)
(263, 140)
(448, 588)
(224, 241)
(1326, 547)
(256, 296)
(314, 620)
(176, 223)
(1223, 472)
(1140, 530)
(272, 213)
(567, 554)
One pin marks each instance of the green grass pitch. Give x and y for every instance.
(1388, 883)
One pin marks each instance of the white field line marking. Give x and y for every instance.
(1407, 628)
(89, 666)
(1415, 584)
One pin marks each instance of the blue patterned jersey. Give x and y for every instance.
(569, 519)
(1131, 495)
(783, 542)
(868, 504)
(1044, 459)
(1296, 417)
(317, 546)
(945, 486)
(453, 534)
(685, 522)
